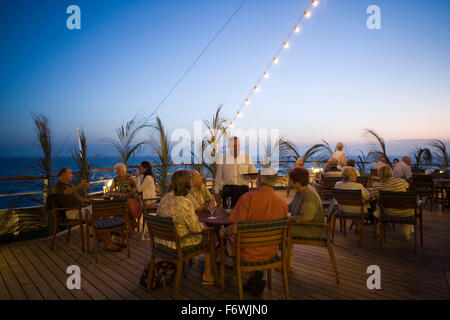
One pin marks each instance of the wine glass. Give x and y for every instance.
(211, 212)
(229, 203)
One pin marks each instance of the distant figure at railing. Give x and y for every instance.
(125, 183)
(381, 162)
(201, 198)
(402, 169)
(339, 155)
(145, 183)
(352, 163)
(395, 162)
(298, 164)
(230, 179)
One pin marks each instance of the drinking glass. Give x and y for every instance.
(229, 203)
(211, 212)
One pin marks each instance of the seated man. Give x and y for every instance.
(332, 170)
(68, 197)
(402, 169)
(352, 163)
(199, 195)
(260, 205)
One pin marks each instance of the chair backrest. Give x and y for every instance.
(52, 202)
(348, 197)
(161, 227)
(364, 180)
(262, 233)
(109, 208)
(328, 183)
(397, 200)
(422, 181)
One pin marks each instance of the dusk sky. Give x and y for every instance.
(336, 79)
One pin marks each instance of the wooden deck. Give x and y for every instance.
(29, 270)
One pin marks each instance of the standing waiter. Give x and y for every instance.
(230, 176)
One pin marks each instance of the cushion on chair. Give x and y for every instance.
(257, 264)
(109, 223)
(171, 254)
(388, 218)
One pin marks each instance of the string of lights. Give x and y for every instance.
(275, 60)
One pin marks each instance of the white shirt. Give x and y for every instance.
(378, 165)
(338, 154)
(232, 171)
(402, 170)
(147, 187)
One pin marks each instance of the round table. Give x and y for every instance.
(221, 216)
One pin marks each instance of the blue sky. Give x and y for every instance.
(335, 80)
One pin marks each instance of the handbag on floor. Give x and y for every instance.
(163, 274)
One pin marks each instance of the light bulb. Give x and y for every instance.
(266, 75)
(315, 3)
(286, 45)
(307, 14)
(256, 89)
(247, 101)
(275, 60)
(297, 29)
(239, 114)
(231, 125)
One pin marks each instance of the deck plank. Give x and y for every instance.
(14, 288)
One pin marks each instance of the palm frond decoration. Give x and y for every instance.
(216, 132)
(82, 161)
(126, 134)
(378, 148)
(421, 155)
(161, 145)
(361, 163)
(440, 154)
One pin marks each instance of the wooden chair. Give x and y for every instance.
(400, 200)
(147, 210)
(163, 228)
(59, 220)
(110, 216)
(326, 185)
(322, 241)
(364, 180)
(424, 187)
(351, 198)
(254, 235)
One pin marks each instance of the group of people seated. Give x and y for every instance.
(188, 196)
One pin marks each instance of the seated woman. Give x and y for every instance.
(389, 183)
(199, 195)
(298, 163)
(145, 183)
(306, 205)
(352, 163)
(349, 183)
(175, 204)
(126, 184)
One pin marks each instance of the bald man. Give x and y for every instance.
(402, 169)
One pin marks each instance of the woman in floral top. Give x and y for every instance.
(176, 205)
(126, 184)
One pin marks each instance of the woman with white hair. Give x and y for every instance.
(339, 155)
(349, 183)
(126, 184)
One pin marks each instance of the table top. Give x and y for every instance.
(221, 215)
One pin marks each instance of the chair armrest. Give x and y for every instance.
(194, 233)
(319, 224)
